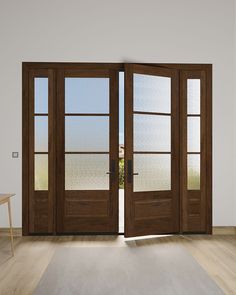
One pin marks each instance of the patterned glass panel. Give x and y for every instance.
(41, 95)
(86, 172)
(152, 93)
(87, 133)
(193, 172)
(193, 96)
(152, 133)
(41, 172)
(154, 172)
(121, 107)
(87, 95)
(41, 133)
(193, 135)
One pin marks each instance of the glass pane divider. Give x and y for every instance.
(151, 113)
(41, 114)
(87, 114)
(193, 115)
(152, 152)
(87, 153)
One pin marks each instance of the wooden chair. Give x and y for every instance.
(5, 198)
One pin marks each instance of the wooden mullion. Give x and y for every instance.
(60, 143)
(51, 152)
(31, 153)
(86, 153)
(41, 114)
(87, 114)
(151, 113)
(152, 153)
(183, 151)
(194, 115)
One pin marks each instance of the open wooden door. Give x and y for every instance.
(151, 150)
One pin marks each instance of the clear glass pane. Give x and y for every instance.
(87, 95)
(193, 172)
(152, 133)
(86, 134)
(41, 95)
(193, 96)
(41, 133)
(154, 172)
(193, 135)
(41, 172)
(86, 172)
(152, 93)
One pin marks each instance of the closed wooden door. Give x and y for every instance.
(151, 150)
(87, 151)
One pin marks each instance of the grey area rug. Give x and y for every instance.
(146, 270)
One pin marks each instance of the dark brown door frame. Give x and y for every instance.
(28, 66)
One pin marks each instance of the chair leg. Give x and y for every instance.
(10, 223)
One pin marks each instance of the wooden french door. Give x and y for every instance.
(151, 150)
(87, 151)
(70, 149)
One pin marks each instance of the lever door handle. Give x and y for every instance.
(130, 172)
(112, 169)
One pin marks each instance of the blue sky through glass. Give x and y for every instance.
(90, 95)
(41, 95)
(87, 95)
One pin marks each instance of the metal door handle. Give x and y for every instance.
(112, 168)
(130, 171)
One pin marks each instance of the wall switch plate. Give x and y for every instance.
(15, 155)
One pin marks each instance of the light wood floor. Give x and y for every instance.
(21, 274)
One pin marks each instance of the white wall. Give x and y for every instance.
(126, 30)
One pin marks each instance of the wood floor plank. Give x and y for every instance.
(20, 275)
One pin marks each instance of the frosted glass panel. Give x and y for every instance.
(41, 95)
(41, 172)
(41, 133)
(152, 133)
(194, 138)
(86, 133)
(87, 95)
(193, 172)
(86, 172)
(193, 96)
(121, 107)
(152, 93)
(154, 172)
